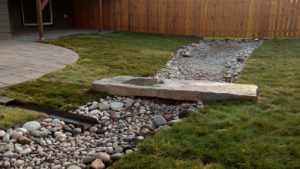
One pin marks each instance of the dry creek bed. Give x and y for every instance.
(123, 121)
(210, 60)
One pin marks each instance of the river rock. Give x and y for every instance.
(18, 148)
(24, 131)
(116, 106)
(19, 163)
(8, 154)
(128, 102)
(159, 121)
(24, 140)
(104, 106)
(59, 134)
(116, 156)
(32, 125)
(172, 122)
(6, 138)
(2, 132)
(104, 157)
(88, 160)
(42, 133)
(25, 151)
(97, 164)
(184, 113)
(74, 167)
(93, 129)
(15, 135)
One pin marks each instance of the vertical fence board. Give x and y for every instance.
(206, 18)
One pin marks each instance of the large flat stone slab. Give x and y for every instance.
(174, 89)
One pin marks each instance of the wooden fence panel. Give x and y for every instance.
(206, 18)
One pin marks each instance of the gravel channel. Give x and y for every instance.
(210, 60)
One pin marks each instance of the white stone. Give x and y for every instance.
(95, 112)
(59, 135)
(116, 106)
(172, 122)
(128, 102)
(105, 118)
(25, 151)
(23, 130)
(104, 106)
(19, 163)
(8, 154)
(32, 125)
(73, 167)
(2, 132)
(6, 138)
(56, 121)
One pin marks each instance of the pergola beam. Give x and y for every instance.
(100, 16)
(40, 18)
(44, 3)
(40, 6)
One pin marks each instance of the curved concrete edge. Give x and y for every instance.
(177, 89)
(24, 61)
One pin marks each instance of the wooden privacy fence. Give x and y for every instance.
(205, 18)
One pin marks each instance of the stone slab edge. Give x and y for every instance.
(177, 89)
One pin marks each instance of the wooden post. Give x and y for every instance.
(100, 15)
(40, 18)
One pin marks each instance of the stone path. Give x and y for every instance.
(21, 61)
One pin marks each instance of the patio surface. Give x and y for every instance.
(23, 58)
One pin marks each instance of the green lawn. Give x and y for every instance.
(232, 134)
(101, 56)
(238, 134)
(10, 116)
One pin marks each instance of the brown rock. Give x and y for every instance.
(88, 160)
(184, 113)
(104, 157)
(113, 116)
(97, 164)
(24, 140)
(145, 132)
(168, 116)
(116, 156)
(73, 167)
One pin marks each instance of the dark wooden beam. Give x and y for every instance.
(100, 16)
(44, 3)
(40, 18)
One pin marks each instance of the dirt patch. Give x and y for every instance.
(209, 60)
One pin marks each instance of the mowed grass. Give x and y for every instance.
(101, 56)
(237, 134)
(10, 116)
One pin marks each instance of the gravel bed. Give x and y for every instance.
(123, 122)
(209, 60)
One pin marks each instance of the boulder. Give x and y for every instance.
(32, 125)
(193, 90)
